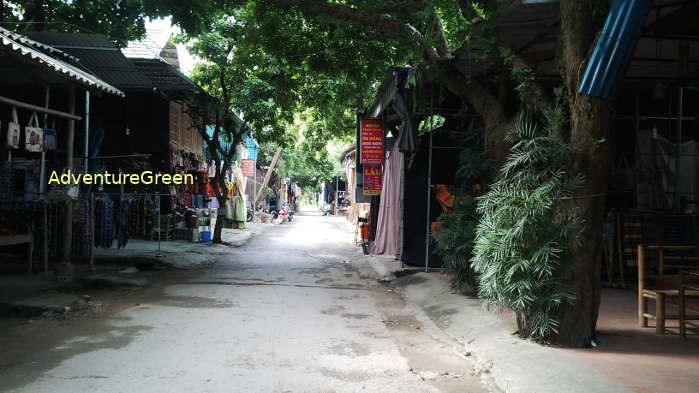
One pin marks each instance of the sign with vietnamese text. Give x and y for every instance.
(372, 179)
(248, 168)
(371, 141)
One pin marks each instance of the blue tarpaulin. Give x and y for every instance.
(252, 148)
(615, 47)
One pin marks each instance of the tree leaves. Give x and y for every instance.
(529, 228)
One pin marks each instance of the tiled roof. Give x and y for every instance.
(51, 58)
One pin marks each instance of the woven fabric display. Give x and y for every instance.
(13, 131)
(33, 135)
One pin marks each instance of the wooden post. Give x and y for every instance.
(683, 327)
(661, 261)
(268, 175)
(660, 313)
(46, 237)
(68, 216)
(642, 320)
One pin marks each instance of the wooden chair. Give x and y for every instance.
(689, 281)
(665, 285)
(167, 228)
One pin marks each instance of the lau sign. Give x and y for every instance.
(371, 141)
(372, 179)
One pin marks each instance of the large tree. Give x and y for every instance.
(447, 36)
(122, 20)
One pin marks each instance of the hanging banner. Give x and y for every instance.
(372, 179)
(371, 141)
(248, 168)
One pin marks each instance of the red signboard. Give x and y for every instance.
(372, 179)
(371, 141)
(248, 168)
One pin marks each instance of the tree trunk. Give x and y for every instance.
(590, 122)
(497, 146)
(218, 229)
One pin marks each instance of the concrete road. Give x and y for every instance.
(288, 312)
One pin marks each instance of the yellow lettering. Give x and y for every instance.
(54, 178)
(147, 177)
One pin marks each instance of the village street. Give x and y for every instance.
(288, 312)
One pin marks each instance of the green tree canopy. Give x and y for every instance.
(121, 20)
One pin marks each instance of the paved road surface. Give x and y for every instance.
(286, 313)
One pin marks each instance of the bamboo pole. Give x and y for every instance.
(40, 109)
(268, 175)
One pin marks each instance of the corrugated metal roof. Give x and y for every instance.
(101, 56)
(82, 40)
(150, 46)
(166, 77)
(615, 48)
(32, 52)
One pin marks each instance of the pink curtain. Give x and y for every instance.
(387, 240)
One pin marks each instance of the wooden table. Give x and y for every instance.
(11, 240)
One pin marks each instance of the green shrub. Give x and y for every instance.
(455, 237)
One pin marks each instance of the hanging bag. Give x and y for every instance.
(50, 138)
(33, 135)
(13, 131)
(63, 192)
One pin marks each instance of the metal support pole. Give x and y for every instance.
(678, 150)
(42, 190)
(401, 208)
(337, 186)
(46, 237)
(86, 148)
(429, 196)
(254, 187)
(157, 217)
(42, 171)
(68, 216)
(429, 185)
(92, 231)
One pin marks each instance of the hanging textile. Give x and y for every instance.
(230, 209)
(213, 203)
(33, 135)
(50, 139)
(656, 158)
(81, 238)
(240, 210)
(104, 223)
(387, 240)
(123, 221)
(13, 131)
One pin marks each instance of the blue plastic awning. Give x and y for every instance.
(615, 47)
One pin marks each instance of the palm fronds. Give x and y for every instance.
(529, 228)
